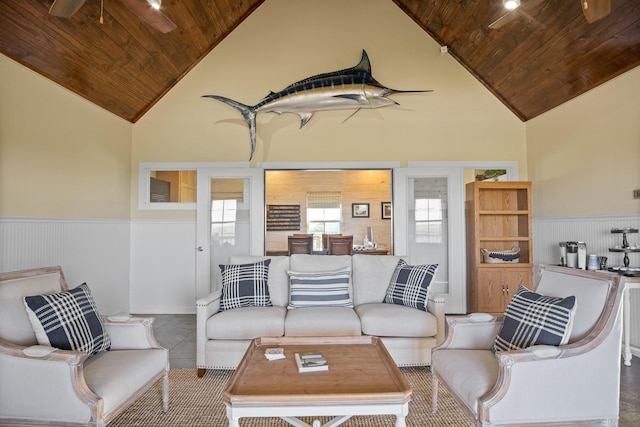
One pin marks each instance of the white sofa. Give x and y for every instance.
(408, 333)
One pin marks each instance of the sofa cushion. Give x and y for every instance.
(246, 323)
(278, 280)
(371, 276)
(533, 319)
(409, 285)
(309, 263)
(407, 321)
(322, 322)
(319, 289)
(245, 285)
(68, 320)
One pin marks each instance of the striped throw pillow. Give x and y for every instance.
(534, 319)
(319, 289)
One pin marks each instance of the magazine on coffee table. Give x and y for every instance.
(311, 362)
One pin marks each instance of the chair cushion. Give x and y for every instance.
(409, 285)
(407, 321)
(535, 319)
(320, 289)
(68, 320)
(322, 322)
(245, 285)
(246, 323)
(471, 373)
(118, 376)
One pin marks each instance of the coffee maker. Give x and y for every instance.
(573, 254)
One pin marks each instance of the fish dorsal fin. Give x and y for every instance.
(363, 67)
(364, 64)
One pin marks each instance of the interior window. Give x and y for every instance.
(321, 201)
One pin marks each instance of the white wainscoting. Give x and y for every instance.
(163, 269)
(88, 250)
(596, 233)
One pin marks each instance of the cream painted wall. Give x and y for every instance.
(284, 41)
(584, 156)
(60, 155)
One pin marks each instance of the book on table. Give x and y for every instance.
(311, 362)
(274, 353)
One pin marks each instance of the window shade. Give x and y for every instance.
(324, 200)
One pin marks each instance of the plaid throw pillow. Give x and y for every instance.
(245, 285)
(409, 285)
(319, 289)
(534, 319)
(68, 321)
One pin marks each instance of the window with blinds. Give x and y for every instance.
(324, 213)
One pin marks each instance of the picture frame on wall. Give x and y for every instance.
(385, 208)
(360, 210)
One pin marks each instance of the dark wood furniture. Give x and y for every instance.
(301, 244)
(339, 245)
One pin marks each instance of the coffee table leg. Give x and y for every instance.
(234, 422)
(400, 421)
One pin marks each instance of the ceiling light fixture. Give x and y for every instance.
(511, 4)
(156, 4)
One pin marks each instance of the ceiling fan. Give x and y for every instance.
(593, 10)
(146, 10)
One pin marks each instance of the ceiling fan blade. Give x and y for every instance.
(153, 17)
(65, 8)
(595, 9)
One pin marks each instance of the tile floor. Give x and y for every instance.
(177, 332)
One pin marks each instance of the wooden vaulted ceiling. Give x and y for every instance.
(545, 56)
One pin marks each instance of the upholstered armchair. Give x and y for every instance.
(43, 385)
(576, 382)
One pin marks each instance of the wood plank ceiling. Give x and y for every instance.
(545, 56)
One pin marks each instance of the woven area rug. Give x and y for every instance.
(198, 402)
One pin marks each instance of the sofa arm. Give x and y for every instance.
(47, 375)
(130, 333)
(435, 306)
(206, 307)
(473, 331)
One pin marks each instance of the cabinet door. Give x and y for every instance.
(513, 278)
(491, 291)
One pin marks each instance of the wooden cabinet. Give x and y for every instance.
(498, 217)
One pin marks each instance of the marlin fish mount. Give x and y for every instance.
(351, 88)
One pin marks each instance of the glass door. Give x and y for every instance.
(230, 210)
(429, 222)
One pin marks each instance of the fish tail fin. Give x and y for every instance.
(247, 111)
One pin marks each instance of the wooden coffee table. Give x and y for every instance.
(362, 379)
